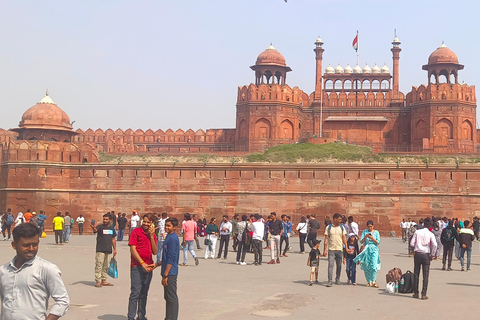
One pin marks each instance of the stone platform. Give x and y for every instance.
(220, 289)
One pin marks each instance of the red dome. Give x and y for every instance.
(46, 115)
(271, 56)
(443, 55)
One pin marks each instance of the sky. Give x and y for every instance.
(177, 64)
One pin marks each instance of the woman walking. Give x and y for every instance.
(212, 236)
(369, 258)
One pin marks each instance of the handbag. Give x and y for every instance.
(390, 288)
(112, 270)
(206, 242)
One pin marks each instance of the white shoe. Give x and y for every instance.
(238, 262)
(243, 263)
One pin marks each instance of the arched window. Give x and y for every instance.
(366, 85)
(347, 85)
(338, 85)
(328, 85)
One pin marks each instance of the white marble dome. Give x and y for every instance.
(339, 69)
(357, 69)
(348, 69)
(376, 69)
(367, 69)
(385, 69)
(329, 70)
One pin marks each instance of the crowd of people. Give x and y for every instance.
(154, 242)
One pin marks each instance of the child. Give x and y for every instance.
(169, 263)
(352, 243)
(313, 261)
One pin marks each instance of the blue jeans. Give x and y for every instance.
(188, 246)
(351, 270)
(160, 248)
(469, 256)
(121, 232)
(66, 233)
(140, 283)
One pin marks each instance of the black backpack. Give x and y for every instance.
(448, 235)
(406, 283)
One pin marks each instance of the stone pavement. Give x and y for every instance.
(220, 289)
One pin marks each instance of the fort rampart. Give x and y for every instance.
(383, 193)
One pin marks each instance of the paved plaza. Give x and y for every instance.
(220, 289)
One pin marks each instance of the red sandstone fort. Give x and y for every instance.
(47, 165)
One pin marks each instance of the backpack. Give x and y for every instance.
(9, 220)
(448, 235)
(246, 237)
(34, 221)
(394, 275)
(330, 227)
(406, 283)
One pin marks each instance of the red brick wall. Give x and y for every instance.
(382, 193)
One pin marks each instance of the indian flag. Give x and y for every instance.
(355, 42)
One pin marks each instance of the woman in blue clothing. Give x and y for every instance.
(287, 229)
(369, 258)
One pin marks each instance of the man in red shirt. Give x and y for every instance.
(143, 244)
(189, 227)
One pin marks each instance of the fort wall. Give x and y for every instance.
(383, 193)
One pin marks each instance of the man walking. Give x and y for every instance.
(335, 240)
(188, 229)
(67, 227)
(143, 244)
(225, 230)
(122, 224)
(257, 228)
(134, 221)
(58, 222)
(448, 236)
(466, 237)
(105, 242)
(161, 235)
(425, 245)
(352, 227)
(28, 281)
(276, 230)
(42, 217)
(313, 226)
(7, 221)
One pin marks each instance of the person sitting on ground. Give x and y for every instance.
(314, 260)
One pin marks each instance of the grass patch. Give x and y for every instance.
(307, 152)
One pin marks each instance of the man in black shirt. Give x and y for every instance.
(313, 226)
(276, 229)
(113, 218)
(122, 223)
(105, 241)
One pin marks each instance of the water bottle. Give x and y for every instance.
(402, 282)
(396, 286)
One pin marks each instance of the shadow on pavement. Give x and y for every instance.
(463, 284)
(87, 283)
(112, 317)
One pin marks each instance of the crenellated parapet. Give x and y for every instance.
(272, 93)
(48, 151)
(442, 91)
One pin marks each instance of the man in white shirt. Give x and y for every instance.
(258, 229)
(352, 226)
(424, 244)
(28, 281)
(225, 231)
(80, 222)
(134, 221)
(403, 226)
(335, 241)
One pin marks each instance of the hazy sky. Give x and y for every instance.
(177, 64)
